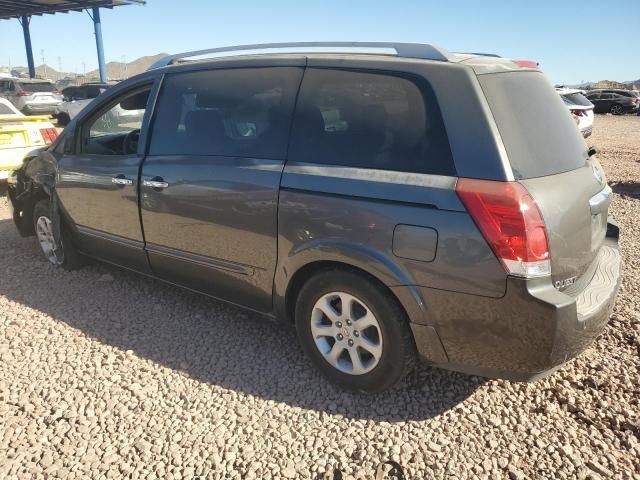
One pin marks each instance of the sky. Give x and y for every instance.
(574, 40)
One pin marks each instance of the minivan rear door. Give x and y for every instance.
(549, 157)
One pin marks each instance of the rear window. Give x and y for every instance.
(5, 110)
(369, 120)
(37, 87)
(538, 132)
(577, 99)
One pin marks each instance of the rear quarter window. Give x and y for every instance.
(537, 130)
(366, 119)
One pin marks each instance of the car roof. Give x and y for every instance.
(33, 80)
(480, 62)
(568, 91)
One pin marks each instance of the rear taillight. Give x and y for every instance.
(23, 93)
(526, 63)
(49, 135)
(579, 113)
(510, 222)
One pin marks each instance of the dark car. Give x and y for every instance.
(614, 101)
(395, 206)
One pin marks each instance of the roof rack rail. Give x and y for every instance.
(405, 50)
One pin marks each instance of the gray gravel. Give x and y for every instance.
(106, 374)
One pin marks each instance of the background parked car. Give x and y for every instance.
(31, 97)
(75, 98)
(580, 107)
(613, 101)
(19, 135)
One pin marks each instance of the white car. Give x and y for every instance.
(580, 107)
(20, 135)
(31, 96)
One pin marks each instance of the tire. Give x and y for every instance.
(62, 119)
(616, 109)
(371, 359)
(70, 259)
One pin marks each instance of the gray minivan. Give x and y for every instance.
(395, 202)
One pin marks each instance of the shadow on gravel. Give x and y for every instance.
(207, 340)
(627, 189)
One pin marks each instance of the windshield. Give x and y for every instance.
(37, 87)
(539, 134)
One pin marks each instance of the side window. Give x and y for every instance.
(369, 120)
(242, 112)
(116, 129)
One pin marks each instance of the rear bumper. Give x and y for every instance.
(31, 109)
(526, 334)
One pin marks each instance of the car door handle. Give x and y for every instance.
(121, 180)
(155, 182)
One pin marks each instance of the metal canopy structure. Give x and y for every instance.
(23, 10)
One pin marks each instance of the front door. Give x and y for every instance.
(210, 182)
(98, 180)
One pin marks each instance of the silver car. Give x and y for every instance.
(31, 97)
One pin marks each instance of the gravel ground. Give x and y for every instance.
(106, 374)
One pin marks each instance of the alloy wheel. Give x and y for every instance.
(346, 333)
(44, 232)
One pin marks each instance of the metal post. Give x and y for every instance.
(27, 45)
(98, 30)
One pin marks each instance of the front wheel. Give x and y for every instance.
(616, 109)
(354, 331)
(63, 254)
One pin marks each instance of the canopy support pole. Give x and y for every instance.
(97, 25)
(25, 20)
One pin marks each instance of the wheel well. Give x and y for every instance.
(305, 273)
(23, 213)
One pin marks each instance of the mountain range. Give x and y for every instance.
(115, 70)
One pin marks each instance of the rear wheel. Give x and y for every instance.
(64, 255)
(354, 331)
(616, 109)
